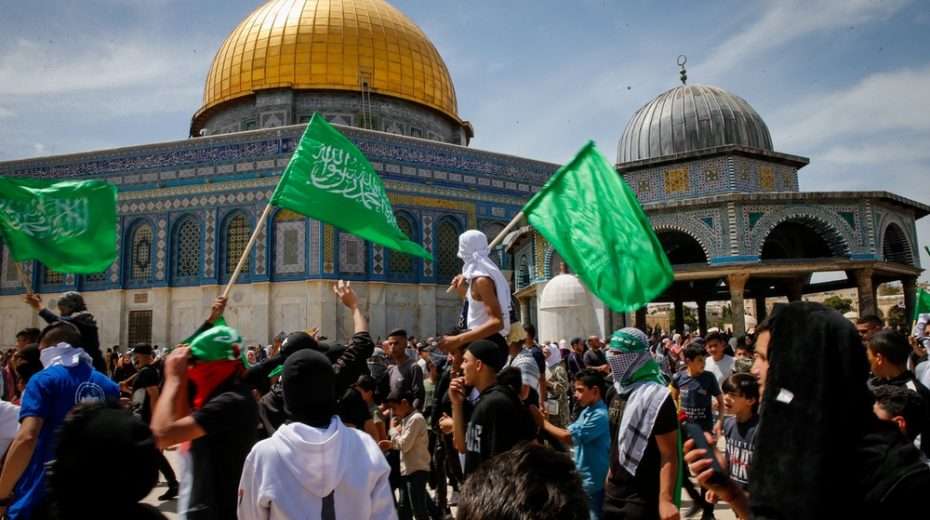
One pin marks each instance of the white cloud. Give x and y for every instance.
(874, 153)
(895, 100)
(788, 20)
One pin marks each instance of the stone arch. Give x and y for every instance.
(835, 232)
(680, 231)
(552, 261)
(524, 276)
(707, 236)
(896, 245)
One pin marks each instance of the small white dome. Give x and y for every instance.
(564, 291)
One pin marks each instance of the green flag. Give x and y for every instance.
(70, 226)
(594, 221)
(330, 180)
(922, 305)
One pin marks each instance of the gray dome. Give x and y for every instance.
(688, 118)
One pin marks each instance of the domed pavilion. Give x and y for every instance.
(729, 213)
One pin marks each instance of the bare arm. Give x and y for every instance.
(457, 396)
(561, 434)
(668, 474)
(484, 288)
(19, 454)
(172, 422)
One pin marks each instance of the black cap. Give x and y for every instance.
(142, 348)
(398, 332)
(308, 382)
(298, 341)
(489, 353)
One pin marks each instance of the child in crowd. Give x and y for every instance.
(741, 402)
(409, 436)
(694, 389)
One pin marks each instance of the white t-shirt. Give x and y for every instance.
(9, 424)
(721, 369)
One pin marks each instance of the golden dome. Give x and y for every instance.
(330, 45)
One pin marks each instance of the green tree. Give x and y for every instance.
(840, 304)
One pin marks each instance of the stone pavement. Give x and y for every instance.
(169, 508)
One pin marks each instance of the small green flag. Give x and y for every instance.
(330, 180)
(70, 226)
(922, 305)
(594, 221)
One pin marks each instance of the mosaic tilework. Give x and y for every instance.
(161, 249)
(427, 233)
(694, 224)
(377, 259)
(209, 258)
(315, 246)
(676, 181)
(539, 256)
(10, 278)
(329, 247)
(260, 251)
(887, 219)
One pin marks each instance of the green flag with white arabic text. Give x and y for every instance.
(69, 226)
(594, 221)
(330, 180)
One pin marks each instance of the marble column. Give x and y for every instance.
(909, 284)
(679, 316)
(795, 288)
(702, 316)
(737, 284)
(641, 319)
(761, 310)
(866, 290)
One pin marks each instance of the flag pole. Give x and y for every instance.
(248, 249)
(507, 229)
(23, 279)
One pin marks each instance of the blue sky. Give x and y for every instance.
(846, 83)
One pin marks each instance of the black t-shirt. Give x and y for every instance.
(497, 423)
(595, 358)
(540, 359)
(229, 418)
(741, 440)
(642, 488)
(353, 410)
(697, 395)
(141, 405)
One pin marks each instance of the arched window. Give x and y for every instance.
(401, 264)
(187, 259)
(555, 265)
(235, 240)
(290, 231)
(491, 230)
(140, 253)
(448, 264)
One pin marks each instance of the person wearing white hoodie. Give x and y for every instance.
(314, 466)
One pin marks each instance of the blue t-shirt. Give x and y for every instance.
(591, 446)
(50, 395)
(697, 394)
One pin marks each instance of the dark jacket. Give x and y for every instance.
(349, 365)
(90, 339)
(907, 380)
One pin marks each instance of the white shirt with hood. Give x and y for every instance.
(287, 475)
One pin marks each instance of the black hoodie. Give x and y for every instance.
(87, 325)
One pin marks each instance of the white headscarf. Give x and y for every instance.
(474, 252)
(555, 355)
(63, 354)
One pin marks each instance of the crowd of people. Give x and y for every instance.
(815, 417)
